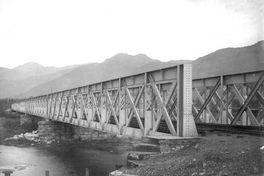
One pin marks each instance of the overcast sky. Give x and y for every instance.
(63, 32)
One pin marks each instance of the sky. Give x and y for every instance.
(66, 32)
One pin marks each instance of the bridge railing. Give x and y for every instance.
(157, 102)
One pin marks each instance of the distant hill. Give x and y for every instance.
(21, 79)
(32, 79)
(230, 61)
(116, 66)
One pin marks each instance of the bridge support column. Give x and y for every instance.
(52, 130)
(57, 131)
(122, 111)
(186, 124)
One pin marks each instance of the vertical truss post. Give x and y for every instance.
(103, 103)
(122, 111)
(227, 104)
(180, 100)
(221, 98)
(47, 108)
(147, 111)
(188, 127)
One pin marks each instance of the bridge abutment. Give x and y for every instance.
(51, 130)
(58, 131)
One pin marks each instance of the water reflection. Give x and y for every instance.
(33, 161)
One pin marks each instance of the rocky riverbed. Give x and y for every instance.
(28, 138)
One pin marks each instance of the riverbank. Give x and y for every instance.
(112, 144)
(217, 153)
(10, 126)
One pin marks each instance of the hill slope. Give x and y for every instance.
(23, 78)
(51, 79)
(116, 66)
(230, 61)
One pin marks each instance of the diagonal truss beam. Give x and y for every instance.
(60, 103)
(74, 106)
(196, 112)
(208, 99)
(246, 102)
(260, 97)
(96, 107)
(202, 102)
(136, 103)
(164, 109)
(114, 104)
(172, 108)
(66, 108)
(86, 101)
(168, 99)
(134, 107)
(258, 94)
(230, 115)
(241, 101)
(112, 108)
(83, 103)
(54, 106)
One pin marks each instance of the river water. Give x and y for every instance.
(34, 161)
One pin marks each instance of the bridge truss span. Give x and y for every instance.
(236, 99)
(152, 103)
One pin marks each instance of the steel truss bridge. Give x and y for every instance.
(152, 103)
(168, 101)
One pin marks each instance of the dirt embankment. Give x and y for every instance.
(217, 154)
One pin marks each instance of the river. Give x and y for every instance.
(34, 161)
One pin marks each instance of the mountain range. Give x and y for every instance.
(32, 79)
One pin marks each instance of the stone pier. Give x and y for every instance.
(53, 130)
